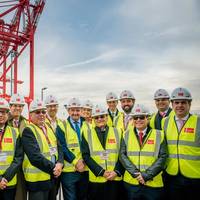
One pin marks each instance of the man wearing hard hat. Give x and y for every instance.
(52, 109)
(183, 138)
(100, 150)
(162, 101)
(113, 112)
(11, 154)
(43, 159)
(74, 177)
(53, 121)
(16, 120)
(127, 101)
(86, 111)
(143, 154)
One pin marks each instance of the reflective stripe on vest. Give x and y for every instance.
(145, 156)
(97, 151)
(8, 151)
(32, 173)
(72, 142)
(184, 147)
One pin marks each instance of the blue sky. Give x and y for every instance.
(87, 48)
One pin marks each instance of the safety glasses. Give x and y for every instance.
(139, 117)
(99, 117)
(38, 112)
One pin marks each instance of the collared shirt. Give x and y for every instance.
(74, 122)
(127, 117)
(180, 121)
(163, 114)
(144, 131)
(53, 122)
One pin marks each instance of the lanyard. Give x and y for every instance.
(44, 130)
(1, 138)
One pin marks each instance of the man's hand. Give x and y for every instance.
(80, 166)
(111, 176)
(3, 183)
(140, 178)
(57, 169)
(106, 174)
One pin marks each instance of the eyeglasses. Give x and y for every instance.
(139, 117)
(99, 117)
(38, 112)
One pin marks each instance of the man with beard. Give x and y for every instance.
(127, 101)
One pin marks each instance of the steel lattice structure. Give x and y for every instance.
(18, 23)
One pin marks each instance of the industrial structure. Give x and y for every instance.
(18, 23)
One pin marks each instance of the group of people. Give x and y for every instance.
(100, 152)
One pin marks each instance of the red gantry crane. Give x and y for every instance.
(18, 23)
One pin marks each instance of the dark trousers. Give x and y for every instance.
(142, 192)
(74, 185)
(21, 193)
(8, 194)
(38, 195)
(110, 190)
(181, 188)
(54, 191)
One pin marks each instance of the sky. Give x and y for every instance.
(87, 48)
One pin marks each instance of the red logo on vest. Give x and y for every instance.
(111, 141)
(150, 141)
(189, 130)
(8, 140)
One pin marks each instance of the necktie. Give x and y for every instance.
(113, 114)
(16, 123)
(180, 124)
(126, 120)
(78, 131)
(162, 114)
(140, 137)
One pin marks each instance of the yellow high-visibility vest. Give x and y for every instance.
(106, 158)
(73, 145)
(110, 122)
(183, 147)
(32, 173)
(119, 122)
(145, 156)
(153, 118)
(7, 151)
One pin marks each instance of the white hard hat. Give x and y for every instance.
(140, 109)
(161, 94)
(17, 99)
(111, 96)
(51, 100)
(37, 105)
(181, 93)
(87, 104)
(126, 94)
(4, 104)
(74, 103)
(99, 110)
